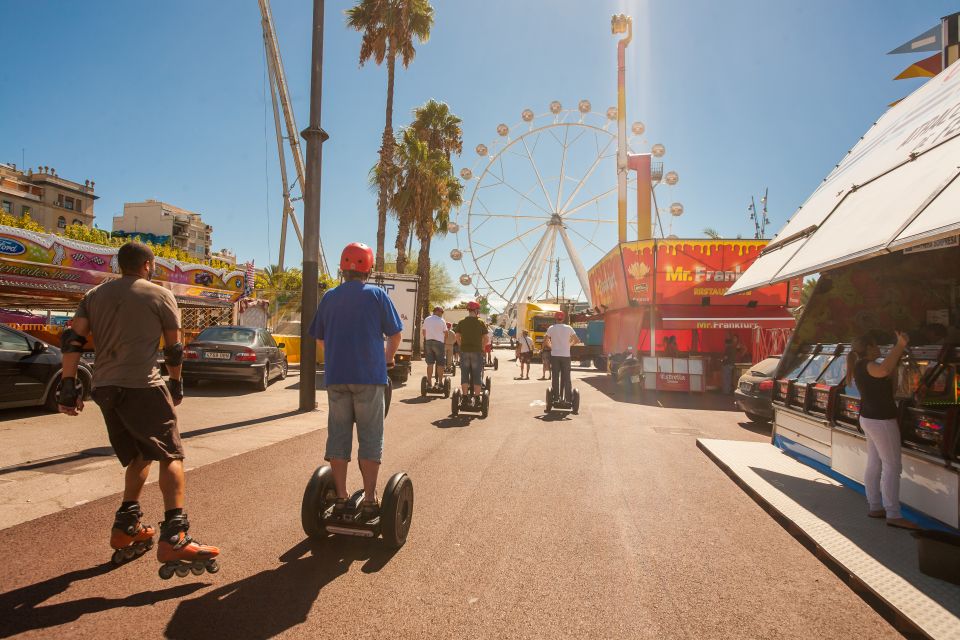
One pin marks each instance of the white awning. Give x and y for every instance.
(898, 187)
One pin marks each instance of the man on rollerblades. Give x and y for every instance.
(561, 337)
(350, 326)
(434, 332)
(472, 336)
(128, 316)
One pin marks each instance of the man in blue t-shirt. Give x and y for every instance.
(350, 326)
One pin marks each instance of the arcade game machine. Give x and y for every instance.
(781, 386)
(824, 394)
(929, 387)
(799, 393)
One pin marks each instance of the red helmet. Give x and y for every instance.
(473, 305)
(357, 256)
(559, 316)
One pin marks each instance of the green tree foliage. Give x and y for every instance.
(712, 233)
(441, 287)
(389, 28)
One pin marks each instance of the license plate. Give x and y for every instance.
(216, 355)
(746, 386)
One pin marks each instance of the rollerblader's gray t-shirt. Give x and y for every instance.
(127, 317)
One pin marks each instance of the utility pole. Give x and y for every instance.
(622, 23)
(315, 137)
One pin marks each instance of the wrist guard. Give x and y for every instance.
(175, 387)
(68, 392)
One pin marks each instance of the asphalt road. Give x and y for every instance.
(610, 524)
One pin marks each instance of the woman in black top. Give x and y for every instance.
(878, 419)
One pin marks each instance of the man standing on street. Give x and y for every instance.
(561, 337)
(128, 316)
(472, 335)
(434, 332)
(350, 326)
(524, 354)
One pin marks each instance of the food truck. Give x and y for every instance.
(665, 299)
(882, 232)
(45, 271)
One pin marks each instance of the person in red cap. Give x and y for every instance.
(561, 337)
(472, 335)
(434, 331)
(350, 325)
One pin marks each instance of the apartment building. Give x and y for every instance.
(49, 199)
(182, 228)
(225, 255)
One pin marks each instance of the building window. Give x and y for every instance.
(61, 223)
(24, 211)
(7, 206)
(65, 202)
(76, 221)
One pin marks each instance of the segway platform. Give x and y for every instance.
(562, 404)
(426, 388)
(396, 510)
(470, 403)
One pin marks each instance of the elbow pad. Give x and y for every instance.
(72, 342)
(173, 354)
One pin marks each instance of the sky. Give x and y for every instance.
(168, 100)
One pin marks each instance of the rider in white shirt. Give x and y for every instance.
(562, 337)
(434, 333)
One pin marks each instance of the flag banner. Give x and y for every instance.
(929, 40)
(926, 68)
(251, 276)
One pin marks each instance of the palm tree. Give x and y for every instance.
(416, 188)
(439, 128)
(712, 233)
(389, 28)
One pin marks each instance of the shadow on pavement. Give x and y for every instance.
(709, 401)
(553, 417)
(270, 602)
(451, 422)
(20, 610)
(895, 549)
(759, 428)
(422, 399)
(320, 383)
(236, 425)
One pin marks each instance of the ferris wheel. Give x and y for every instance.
(542, 204)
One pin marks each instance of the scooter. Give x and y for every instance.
(442, 388)
(320, 518)
(571, 405)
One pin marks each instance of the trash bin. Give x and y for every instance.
(939, 554)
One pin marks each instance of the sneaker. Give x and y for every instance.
(369, 510)
(340, 506)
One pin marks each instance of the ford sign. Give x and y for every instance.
(11, 247)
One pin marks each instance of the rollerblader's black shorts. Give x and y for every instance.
(140, 422)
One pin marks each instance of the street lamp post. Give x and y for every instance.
(315, 137)
(622, 23)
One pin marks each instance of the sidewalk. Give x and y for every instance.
(878, 562)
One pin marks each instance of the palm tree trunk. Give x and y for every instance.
(403, 230)
(386, 161)
(423, 270)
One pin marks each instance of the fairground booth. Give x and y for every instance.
(881, 231)
(40, 271)
(665, 300)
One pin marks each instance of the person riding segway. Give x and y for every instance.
(561, 395)
(449, 343)
(434, 332)
(350, 325)
(473, 336)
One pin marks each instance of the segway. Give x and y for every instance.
(495, 366)
(441, 388)
(450, 369)
(571, 405)
(471, 403)
(319, 519)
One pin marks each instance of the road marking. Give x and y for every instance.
(538, 403)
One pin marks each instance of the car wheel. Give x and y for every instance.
(283, 369)
(264, 380)
(757, 418)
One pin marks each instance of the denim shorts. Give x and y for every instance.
(360, 404)
(471, 362)
(433, 352)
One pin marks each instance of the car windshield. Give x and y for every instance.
(542, 323)
(765, 367)
(233, 335)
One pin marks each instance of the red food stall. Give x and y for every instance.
(666, 299)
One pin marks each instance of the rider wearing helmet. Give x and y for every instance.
(350, 326)
(561, 337)
(472, 336)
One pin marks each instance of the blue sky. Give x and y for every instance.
(167, 100)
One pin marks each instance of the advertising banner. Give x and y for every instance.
(50, 263)
(673, 381)
(607, 285)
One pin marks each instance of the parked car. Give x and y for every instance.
(30, 371)
(754, 392)
(243, 354)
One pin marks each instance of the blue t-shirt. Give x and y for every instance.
(352, 320)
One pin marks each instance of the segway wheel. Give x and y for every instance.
(486, 383)
(576, 402)
(446, 388)
(485, 404)
(424, 385)
(396, 512)
(496, 364)
(549, 401)
(320, 489)
(455, 403)
(387, 397)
